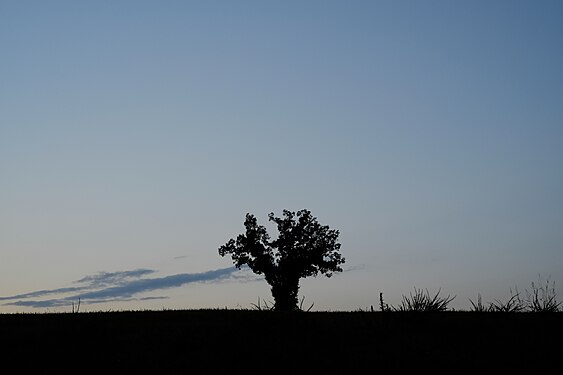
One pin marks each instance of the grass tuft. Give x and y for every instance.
(542, 297)
(263, 306)
(513, 304)
(422, 301)
(478, 306)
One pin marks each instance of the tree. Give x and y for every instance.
(303, 248)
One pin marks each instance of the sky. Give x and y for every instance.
(136, 135)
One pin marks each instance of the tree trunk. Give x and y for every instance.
(285, 295)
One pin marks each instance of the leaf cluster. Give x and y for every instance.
(303, 248)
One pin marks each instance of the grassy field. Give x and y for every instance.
(195, 341)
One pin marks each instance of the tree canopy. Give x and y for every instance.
(303, 248)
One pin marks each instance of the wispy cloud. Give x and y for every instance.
(128, 289)
(42, 293)
(357, 267)
(115, 286)
(152, 298)
(108, 278)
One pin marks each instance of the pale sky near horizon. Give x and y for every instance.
(136, 135)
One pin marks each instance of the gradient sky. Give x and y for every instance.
(135, 136)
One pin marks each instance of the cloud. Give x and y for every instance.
(245, 275)
(152, 298)
(357, 267)
(41, 293)
(116, 286)
(36, 304)
(88, 282)
(131, 288)
(106, 278)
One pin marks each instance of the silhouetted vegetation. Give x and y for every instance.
(263, 306)
(423, 302)
(303, 248)
(541, 297)
(513, 304)
(76, 308)
(382, 305)
(420, 301)
(478, 306)
(225, 341)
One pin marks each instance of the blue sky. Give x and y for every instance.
(135, 135)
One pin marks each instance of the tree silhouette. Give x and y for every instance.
(303, 248)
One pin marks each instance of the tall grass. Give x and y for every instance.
(478, 306)
(513, 304)
(422, 301)
(542, 297)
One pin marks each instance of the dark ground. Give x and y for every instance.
(196, 341)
